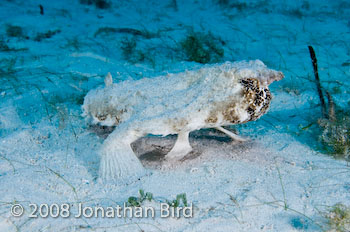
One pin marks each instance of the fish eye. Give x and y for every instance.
(101, 117)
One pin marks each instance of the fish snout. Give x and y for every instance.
(275, 76)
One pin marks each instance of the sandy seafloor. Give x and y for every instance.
(278, 181)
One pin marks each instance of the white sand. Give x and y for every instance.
(277, 181)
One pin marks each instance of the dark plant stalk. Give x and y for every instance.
(318, 84)
(41, 9)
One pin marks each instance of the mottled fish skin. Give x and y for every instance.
(104, 108)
